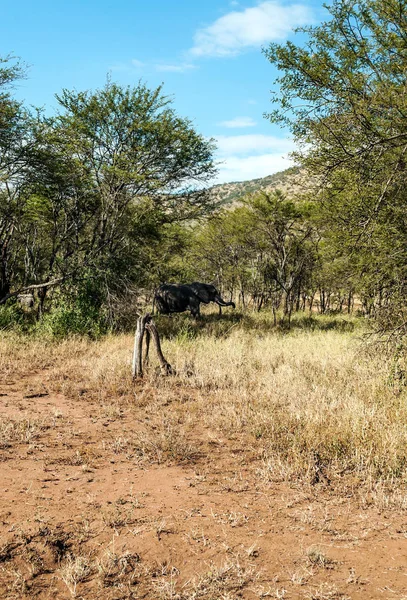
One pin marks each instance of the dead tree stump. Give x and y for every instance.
(147, 327)
(148, 338)
(165, 366)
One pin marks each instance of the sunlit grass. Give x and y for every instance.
(312, 402)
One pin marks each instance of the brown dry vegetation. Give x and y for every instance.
(272, 465)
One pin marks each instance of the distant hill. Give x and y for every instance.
(293, 181)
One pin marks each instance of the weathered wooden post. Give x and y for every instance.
(146, 325)
(137, 370)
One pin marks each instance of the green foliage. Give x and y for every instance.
(12, 317)
(342, 94)
(79, 311)
(133, 145)
(10, 71)
(70, 319)
(106, 200)
(264, 250)
(98, 192)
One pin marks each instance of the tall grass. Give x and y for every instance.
(312, 403)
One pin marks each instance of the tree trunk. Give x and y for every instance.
(42, 293)
(350, 303)
(322, 301)
(4, 282)
(148, 338)
(298, 301)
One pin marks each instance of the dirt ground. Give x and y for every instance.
(85, 513)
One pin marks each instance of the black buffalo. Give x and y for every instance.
(175, 297)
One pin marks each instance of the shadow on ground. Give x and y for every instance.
(183, 326)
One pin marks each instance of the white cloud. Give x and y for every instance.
(119, 67)
(182, 68)
(254, 143)
(234, 168)
(243, 157)
(249, 28)
(136, 65)
(133, 65)
(239, 122)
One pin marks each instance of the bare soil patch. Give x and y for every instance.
(137, 496)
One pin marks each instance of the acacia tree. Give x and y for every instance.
(264, 251)
(343, 94)
(104, 176)
(221, 253)
(133, 145)
(12, 161)
(283, 233)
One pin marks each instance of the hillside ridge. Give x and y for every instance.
(292, 182)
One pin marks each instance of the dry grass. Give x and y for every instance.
(317, 558)
(75, 570)
(325, 592)
(312, 403)
(20, 431)
(208, 454)
(114, 569)
(223, 582)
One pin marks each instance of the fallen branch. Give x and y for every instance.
(31, 288)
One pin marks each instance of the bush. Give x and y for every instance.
(67, 319)
(13, 317)
(78, 311)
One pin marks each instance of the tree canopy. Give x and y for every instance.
(95, 187)
(107, 197)
(343, 95)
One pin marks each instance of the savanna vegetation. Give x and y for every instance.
(107, 199)
(269, 465)
(273, 462)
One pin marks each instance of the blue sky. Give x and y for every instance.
(206, 53)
